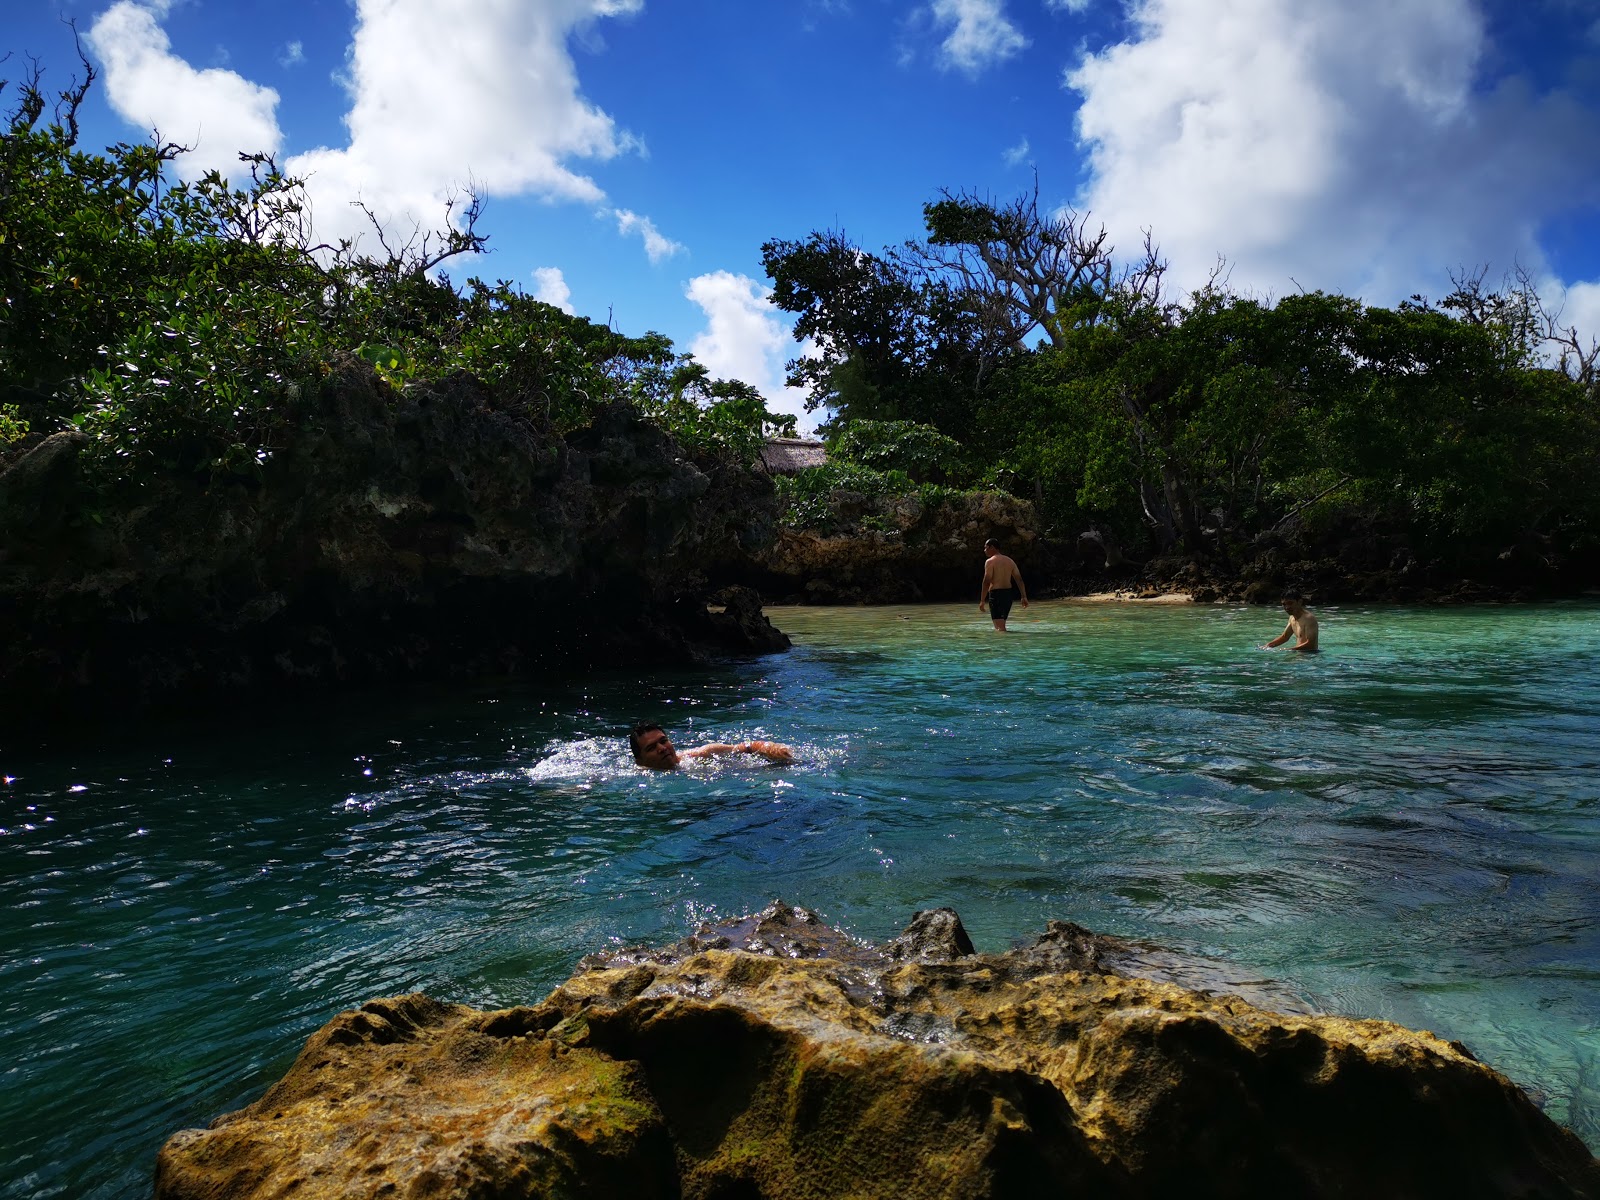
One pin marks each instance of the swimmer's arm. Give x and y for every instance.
(773, 751)
(988, 581)
(1022, 588)
(709, 749)
(1280, 639)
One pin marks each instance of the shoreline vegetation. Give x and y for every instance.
(239, 462)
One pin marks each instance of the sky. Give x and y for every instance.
(633, 155)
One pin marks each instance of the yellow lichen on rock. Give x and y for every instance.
(778, 1059)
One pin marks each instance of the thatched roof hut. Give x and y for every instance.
(786, 456)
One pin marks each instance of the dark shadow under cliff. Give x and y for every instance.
(429, 534)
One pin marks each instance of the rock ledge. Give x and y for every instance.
(775, 1057)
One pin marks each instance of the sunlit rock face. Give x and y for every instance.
(778, 1058)
(900, 550)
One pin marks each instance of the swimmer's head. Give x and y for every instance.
(991, 544)
(1293, 601)
(652, 747)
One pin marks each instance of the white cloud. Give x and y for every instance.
(215, 112)
(293, 55)
(1017, 155)
(1351, 147)
(1072, 6)
(745, 339)
(550, 285)
(1575, 307)
(444, 94)
(656, 245)
(980, 35)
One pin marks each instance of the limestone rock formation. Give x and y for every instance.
(897, 550)
(778, 1058)
(427, 533)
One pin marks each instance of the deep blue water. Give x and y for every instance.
(1406, 826)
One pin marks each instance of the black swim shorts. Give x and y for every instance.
(1000, 602)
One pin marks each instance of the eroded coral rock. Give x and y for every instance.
(776, 1058)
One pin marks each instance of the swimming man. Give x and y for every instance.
(1302, 626)
(1002, 585)
(653, 748)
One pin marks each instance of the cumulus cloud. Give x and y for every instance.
(745, 339)
(441, 92)
(443, 95)
(1575, 308)
(1072, 6)
(980, 35)
(215, 112)
(656, 245)
(1353, 147)
(1017, 155)
(293, 55)
(550, 285)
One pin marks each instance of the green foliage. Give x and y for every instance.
(810, 498)
(185, 327)
(891, 343)
(718, 417)
(920, 451)
(12, 427)
(207, 386)
(1189, 426)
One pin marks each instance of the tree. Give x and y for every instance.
(1018, 269)
(889, 343)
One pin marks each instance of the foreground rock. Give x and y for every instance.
(433, 533)
(777, 1058)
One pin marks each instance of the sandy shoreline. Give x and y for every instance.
(1132, 598)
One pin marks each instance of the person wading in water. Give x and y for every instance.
(1302, 626)
(1002, 586)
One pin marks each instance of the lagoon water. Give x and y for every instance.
(1406, 826)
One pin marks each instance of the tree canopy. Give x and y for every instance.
(184, 326)
(1195, 424)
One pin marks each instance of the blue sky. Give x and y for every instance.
(634, 154)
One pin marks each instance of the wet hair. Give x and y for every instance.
(636, 735)
(1295, 596)
(987, 542)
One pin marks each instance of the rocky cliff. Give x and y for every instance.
(897, 550)
(424, 534)
(776, 1058)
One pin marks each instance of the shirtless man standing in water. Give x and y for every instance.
(1002, 586)
(1302, 625)
(653, 748)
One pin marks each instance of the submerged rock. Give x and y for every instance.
(776, 1057)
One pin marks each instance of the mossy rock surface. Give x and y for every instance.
(777, 1058)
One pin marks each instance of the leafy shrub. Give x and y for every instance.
(180, 325)
(12, 427)
(810, 497)
(919, 450)
(209, 385)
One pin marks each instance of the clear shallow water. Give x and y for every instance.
(1407, 827)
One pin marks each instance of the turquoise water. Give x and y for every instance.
(1406, 826)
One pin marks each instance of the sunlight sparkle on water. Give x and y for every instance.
(1404, 828)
